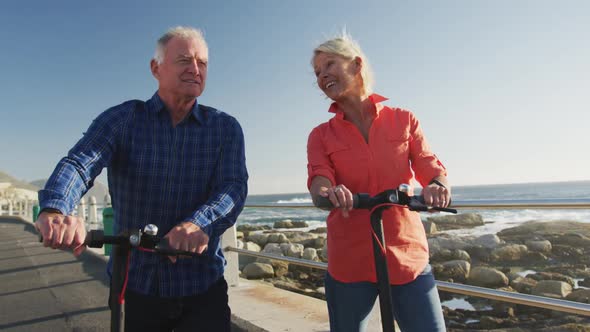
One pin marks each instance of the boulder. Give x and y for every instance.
(509, 253)
(258, 271)
(487, 277)
(542, 246)
(457, 221)
(552, 288)
(579, 295)
(457, 270)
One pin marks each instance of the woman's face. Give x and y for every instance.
(337, 76)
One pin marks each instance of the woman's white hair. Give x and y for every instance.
(180, 32)
(346, 47)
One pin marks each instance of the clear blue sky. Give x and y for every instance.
(502, 88)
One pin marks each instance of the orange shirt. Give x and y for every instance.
(396, 152)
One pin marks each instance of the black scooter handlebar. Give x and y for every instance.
(97, 239)
(365, 201)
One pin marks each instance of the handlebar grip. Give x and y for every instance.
(417, 204)
(164, 250)
(94, 238)
(445, 210)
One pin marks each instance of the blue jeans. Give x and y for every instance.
(416, 305)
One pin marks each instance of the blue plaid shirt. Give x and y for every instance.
(162, 175)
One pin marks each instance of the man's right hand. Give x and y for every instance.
(61, 232)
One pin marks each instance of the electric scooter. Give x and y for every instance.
(377, 204)
(144, 240)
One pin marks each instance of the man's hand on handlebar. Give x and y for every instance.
(187, 237)
(61, 232)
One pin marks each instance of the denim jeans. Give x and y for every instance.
(416, 305)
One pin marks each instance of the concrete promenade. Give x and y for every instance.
(51, 290)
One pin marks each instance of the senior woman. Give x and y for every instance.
(369, 147)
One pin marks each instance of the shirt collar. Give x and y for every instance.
(374, 98)
(156, 105)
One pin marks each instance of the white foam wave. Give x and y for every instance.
(296, 200)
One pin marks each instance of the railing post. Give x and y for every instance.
(82, 209)
(92, 211)
(232, 270)
(25, 210)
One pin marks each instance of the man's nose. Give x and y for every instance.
(194, 67)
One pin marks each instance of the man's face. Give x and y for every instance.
(183, 71)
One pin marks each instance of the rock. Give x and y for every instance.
(244, 260)
(542, 246)
(273, 248)
(319, 230)
(458, 270)
(509, 253)
(445, 255)
(292, 249)
(523, 285)
(447, 241)
(258, 271)
(290, 224)
(490, 241)
(317, 243)
(259, 238)
(552, 288)
(301, 237)
(487, 277)
(535, 257)
(277, 238)
(311, 254)
(457, 221)
(479, 253)
(584, 283)
(568, 253)
(490, 323)
(300, 224)
(552, 276)
(579, 295)
(429, 227)
(544, 230)
(251, 228)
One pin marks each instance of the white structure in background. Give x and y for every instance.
(82, 209)
(92, 213)
(16, 201)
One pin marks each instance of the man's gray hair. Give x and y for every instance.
(179, 32)
(346, 47)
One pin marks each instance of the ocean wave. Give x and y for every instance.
(296, 200)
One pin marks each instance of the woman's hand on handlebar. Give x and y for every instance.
(61, 232)
(340, 196)
(437, 195)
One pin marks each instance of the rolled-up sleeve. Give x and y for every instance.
(425, 164)
(318, 161)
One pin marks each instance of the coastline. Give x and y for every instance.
(549, 258)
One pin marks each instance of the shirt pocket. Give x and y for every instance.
(398, 150)
(350, 165)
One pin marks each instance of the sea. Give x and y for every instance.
(298, 206)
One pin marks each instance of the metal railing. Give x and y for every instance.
(493, 294)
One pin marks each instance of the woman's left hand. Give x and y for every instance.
(437, 195)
